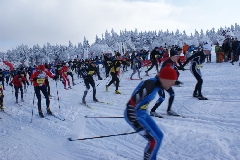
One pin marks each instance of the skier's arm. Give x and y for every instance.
(98, 74)
(190, 58)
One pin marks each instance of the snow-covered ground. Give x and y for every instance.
(210, 131)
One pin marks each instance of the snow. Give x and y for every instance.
(210, 131)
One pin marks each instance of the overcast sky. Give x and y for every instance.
(31, 22)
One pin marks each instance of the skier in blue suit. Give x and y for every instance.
(136, 111)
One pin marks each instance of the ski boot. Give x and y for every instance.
(107, 87)
(41, 114)
(202, 98)
(95, 100)
(22, 100)
(49, 111)
(117, 92)
(83, 101)
(155, 114)
(195, 95)
(2, 108)
(172, 113)
(16, 100)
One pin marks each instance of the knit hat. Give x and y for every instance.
(42, 67)
(168, 73)
(174, 53)
(178, 49)
(207, 47)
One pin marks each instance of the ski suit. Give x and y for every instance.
(17, 82)
(197, 60)
(137, 116)
(87, 74)
(39, 82)
(63, 74)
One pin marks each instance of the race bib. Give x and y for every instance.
(90, 72)
(40, 80)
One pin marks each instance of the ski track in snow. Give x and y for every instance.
(209, 131)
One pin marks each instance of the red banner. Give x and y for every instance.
(10, 65)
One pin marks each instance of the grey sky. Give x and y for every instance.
(58, 21)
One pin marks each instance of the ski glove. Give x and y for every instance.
(55, 78)
(10, 84)
(181, 68)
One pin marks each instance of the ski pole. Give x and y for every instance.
(57, 95)
(80, 139)
(102, 117)
(32, 108)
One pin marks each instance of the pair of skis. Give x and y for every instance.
(55, 116)
(87, 105)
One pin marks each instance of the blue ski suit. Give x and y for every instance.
(137, 116)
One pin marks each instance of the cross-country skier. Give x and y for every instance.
(172, 61)
(17, 83)
(153, 57)
(63, 74)
(39, 83)
(115, 67)
(2, 78)
(7, 75)
(197, 60)
(136, 66)
(136, 111)
(1, 98)
(87, 74)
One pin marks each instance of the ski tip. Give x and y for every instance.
(70, 139)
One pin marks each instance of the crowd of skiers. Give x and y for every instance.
(135, 114)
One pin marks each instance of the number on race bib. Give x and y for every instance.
(40, 80)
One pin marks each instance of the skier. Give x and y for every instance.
(23, 73)
(115, 67)
(39, 83)
(136, 66)
(107, 63)
(153, 55)
(63, 74)
(172, 62)
(47, 81)
(87, 74)
(17, 83)
(1, 98)
(197, 60)
(69, 72)
(236, 50)
(2, 78)
(136, 111)
(7, 75)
